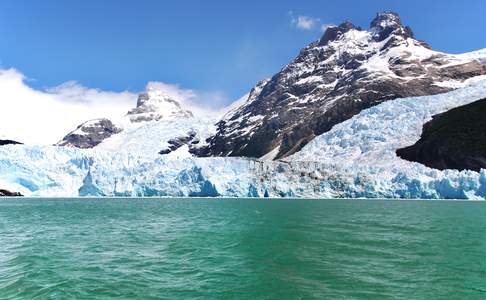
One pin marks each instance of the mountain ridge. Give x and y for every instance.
(334, 78)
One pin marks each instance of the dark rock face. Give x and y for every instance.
(90, 134)
(331, 80)
(455, 139)
(9, 142)
(175, 144)
(5, 193)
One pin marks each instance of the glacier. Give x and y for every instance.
(355, 159)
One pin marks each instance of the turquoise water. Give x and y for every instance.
(242, 249)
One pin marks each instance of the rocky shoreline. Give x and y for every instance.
(6, 193)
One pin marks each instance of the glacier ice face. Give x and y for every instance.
(62, 171)
(42, 170)
(354, 159)
(367, 143)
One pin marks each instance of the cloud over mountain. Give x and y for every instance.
(43, 116)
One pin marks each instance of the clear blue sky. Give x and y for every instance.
(204, 45)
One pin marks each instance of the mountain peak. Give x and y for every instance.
(334, 32)
(382, 26)
(332, 80)
(154, 105)
(387, 23)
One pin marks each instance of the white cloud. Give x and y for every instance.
(303, 22)
(307, 22)
(44, 117)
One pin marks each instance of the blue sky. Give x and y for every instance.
(210, 46)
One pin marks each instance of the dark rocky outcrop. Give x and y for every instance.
(9, 142)
(90, 134)
(331, 80)
(455, 139)
(6, 193)
(175, 144)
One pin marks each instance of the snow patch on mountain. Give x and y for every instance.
(478, 54)
(149, 138)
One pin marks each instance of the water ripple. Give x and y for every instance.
(244, 249)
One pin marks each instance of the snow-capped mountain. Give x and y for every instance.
(333, 79)
(335, 117)
(157, 125)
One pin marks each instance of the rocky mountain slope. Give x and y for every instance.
(349, 69)
(455, 139)
(90, 134)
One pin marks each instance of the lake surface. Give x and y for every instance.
(241, 249)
